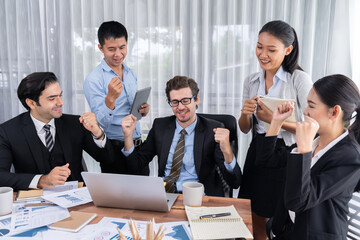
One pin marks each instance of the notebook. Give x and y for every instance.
(29, 194)
(230, 226)
(271, 103)
(128, 191)
(75, 222)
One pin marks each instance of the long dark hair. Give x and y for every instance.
(287, 35)
(341, 90)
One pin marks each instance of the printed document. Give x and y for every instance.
(70, 198)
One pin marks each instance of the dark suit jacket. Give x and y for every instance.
(20, 145)
(207, 153)
(319, 196)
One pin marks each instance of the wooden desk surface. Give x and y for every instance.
(241, 205)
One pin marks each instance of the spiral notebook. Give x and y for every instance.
(231, 226)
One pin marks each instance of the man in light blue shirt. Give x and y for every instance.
(206, 144)
(110, 90)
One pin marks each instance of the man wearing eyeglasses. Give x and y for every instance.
(188, 146)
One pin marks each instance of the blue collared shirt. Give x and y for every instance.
(275, 90)
(188, 171)
(96, 89)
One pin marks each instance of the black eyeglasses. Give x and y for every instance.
(184, 101)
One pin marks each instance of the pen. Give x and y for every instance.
(215, 215)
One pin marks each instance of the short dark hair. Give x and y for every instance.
(287, 35)
(32, 86)
(179, 82)
(111, 29)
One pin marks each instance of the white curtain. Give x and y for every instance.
(212, 41)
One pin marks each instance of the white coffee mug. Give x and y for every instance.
(193, 193)
(6, 200)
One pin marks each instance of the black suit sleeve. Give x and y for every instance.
(233, 179)
(268, 155)
(303, 191)
(14, 180)
(104, 155)
(141, 157)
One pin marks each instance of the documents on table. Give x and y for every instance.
(36, 194)
(271, 103)
(5, 225)
(107, 229)
(25, 218)
(70, 198)
(61, 188)
(218, 227)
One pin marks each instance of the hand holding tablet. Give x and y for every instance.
(140, 100)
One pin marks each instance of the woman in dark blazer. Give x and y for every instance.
(321, 174)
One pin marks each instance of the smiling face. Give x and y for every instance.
(185, 114)
(49, 105)
(114, 51)
(271, 52)
(319, 111)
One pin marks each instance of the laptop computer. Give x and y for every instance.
(128, 191)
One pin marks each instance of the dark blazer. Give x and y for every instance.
(319, 195)
(207, 153)
(20, 145)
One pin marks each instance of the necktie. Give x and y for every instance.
(176, 164)
(48, 138)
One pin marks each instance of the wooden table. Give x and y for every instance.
(241, 205)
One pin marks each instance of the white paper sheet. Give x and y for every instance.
(107, 229)
(5, 225)
(25, 218)
(70, 198)
(84, 234)
(61, 188)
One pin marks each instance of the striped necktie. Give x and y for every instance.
(176, 164)
(48, 138)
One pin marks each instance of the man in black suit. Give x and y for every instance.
(206, 144)
(44, 145)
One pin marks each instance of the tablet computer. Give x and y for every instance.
(141, 97)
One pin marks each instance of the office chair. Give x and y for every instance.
(230, 123)
(354, 217)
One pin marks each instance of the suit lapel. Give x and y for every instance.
(167, 136)
(64, 138)
(34, 142)
(323, 160)
(198, 144)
